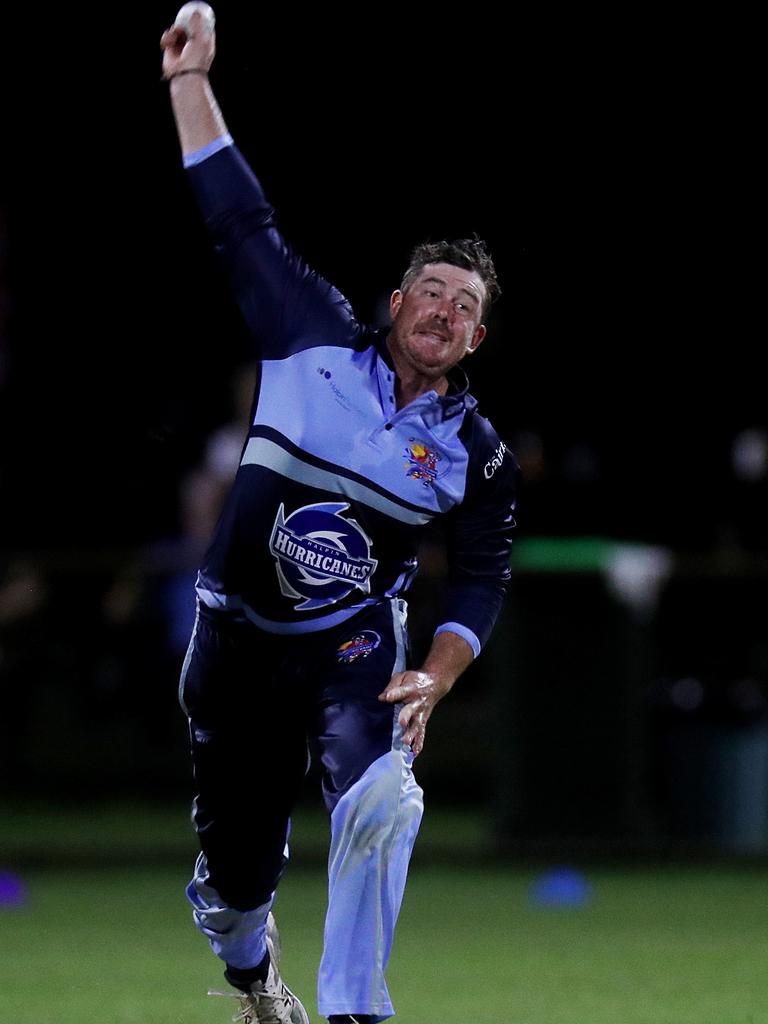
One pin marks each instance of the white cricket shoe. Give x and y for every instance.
(271, 1001)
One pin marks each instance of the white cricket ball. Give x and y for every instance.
(204, 10)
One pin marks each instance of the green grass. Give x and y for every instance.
(670, 946)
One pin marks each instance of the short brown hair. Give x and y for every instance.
(467, 253)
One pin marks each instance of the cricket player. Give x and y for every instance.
(360, 438)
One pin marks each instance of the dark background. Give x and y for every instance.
(616, 185)
(611, 166)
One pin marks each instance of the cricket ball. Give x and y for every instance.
(204, 10)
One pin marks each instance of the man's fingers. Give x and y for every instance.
(394, 694)
(414, 738)
(406, 714)
(414, 712)
(394, 690)
(175, 36)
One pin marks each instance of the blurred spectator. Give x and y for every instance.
(225, 445)
(581, 463)
(134, 644)
(743, 506)
(163, 578)
(201, 497)
(749, 455)
(528, 447)
(561, 485)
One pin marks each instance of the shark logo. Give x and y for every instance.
(320, 556)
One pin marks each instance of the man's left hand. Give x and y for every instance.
(419, 692)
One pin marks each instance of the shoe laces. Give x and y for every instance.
(260, 1007)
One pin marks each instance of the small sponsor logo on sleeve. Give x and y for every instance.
(495, 461)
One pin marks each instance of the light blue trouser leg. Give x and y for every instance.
(238, 937)
(373, 829)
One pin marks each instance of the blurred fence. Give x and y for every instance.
(622, 703)
(634, 714)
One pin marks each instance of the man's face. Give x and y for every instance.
(437, 321)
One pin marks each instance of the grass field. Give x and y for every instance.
(651, 947)
(105, 935)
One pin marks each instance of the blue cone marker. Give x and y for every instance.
(560, 887)
(13, 891)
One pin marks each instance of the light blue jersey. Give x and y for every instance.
(302, 622)
(336, 485)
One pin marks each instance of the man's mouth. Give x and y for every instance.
(429, 333)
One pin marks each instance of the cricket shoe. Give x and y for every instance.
(270, 1001)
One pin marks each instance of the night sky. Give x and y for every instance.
(616, 187)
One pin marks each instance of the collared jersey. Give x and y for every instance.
(336, 485)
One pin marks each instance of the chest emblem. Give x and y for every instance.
(422, 462)
(320, 556)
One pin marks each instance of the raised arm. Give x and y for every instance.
(187, 59)
(287, 306)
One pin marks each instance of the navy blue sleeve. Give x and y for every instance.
(287, 306)
(478, 535)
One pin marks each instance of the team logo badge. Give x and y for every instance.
(360, 646)
(423, 462)
(320, 556)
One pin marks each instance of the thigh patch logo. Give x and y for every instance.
(360, 646)
(320, 556)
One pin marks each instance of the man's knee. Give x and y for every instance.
(384, 800)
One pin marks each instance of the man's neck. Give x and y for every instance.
(411, 384)
(410, 387)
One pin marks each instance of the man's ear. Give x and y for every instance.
(477, 339)
(395, 302)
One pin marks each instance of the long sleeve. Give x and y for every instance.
(479, 539)
(287, 306)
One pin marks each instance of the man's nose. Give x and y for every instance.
(443, 311)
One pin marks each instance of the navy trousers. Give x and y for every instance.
(258, 705)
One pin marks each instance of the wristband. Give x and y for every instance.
(184, 71)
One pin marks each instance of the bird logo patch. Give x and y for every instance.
(360, 646)
(422, 462)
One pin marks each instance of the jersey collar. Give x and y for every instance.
(456, 400)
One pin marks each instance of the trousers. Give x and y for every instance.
(260, 706)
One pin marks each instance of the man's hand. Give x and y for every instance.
(182, 50)
(419, 692)
(198, 118)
